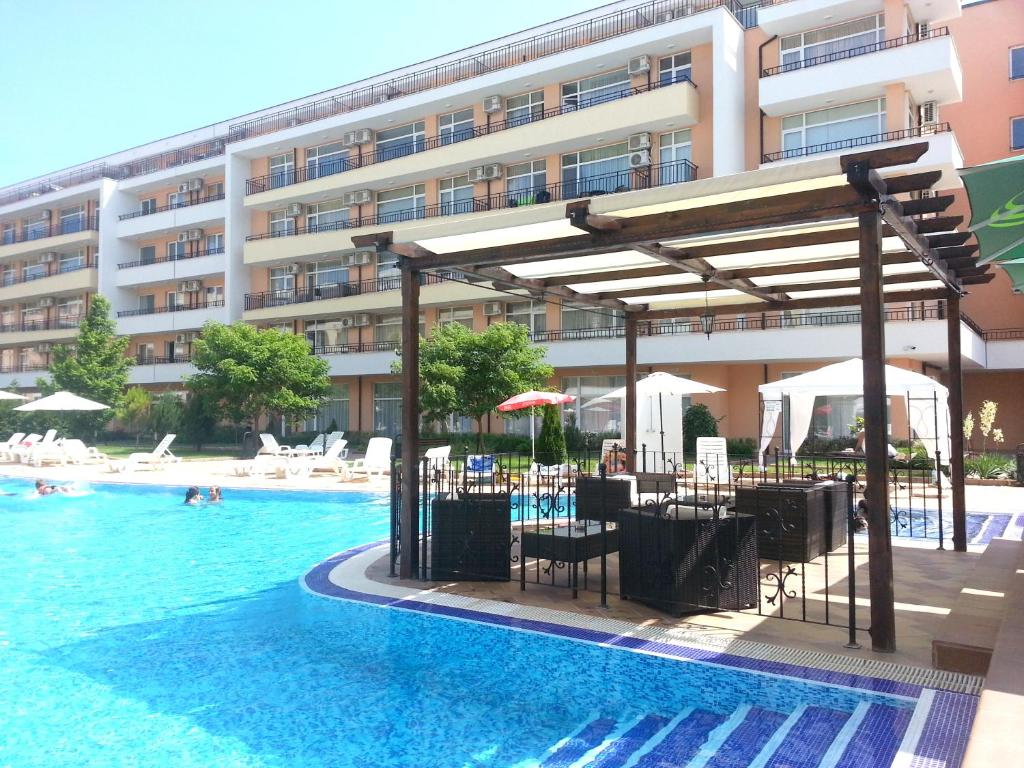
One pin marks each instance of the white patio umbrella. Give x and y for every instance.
(10, 396)
(62, 401)
(660, 383)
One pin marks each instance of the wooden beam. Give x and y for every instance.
(911, 182)
(939, 224)
(893, 214)
(502, 276)
(630, 422)
(946, 238)
(914, 277)
(979, 280)
(903, 257)
(409, 513)
(611, 275)
(956, 421)
(685, 263)
(936, 204)
(955, 251)
(968, 262)
(884, 158)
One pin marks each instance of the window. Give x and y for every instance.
(608, 417)
(836, 39)
(325, 160)
(387, 408)
(456, 195)
(282, 170)
(33, 314)
(69, 262)
(674, 69)
(326, 216)
(8, 234)
(177, 199)
(147, 302)
(215, 190)
(176, 351)
(175, 300)
(72, 219)
(461, 315)
(9, 275)
(1017, 133)
(388, 329)
(325, 273)
(1017, 63)
(526, 183)
(33, 230)
(675, 154)
(401, 204)
(387, 266)
(333, 412)
(601, 170)
(147, 254)
(281, 224)
(826, 129)
(325, 333)
(577, 318)
(145, 353)
(147, 206)
(33, 270)
(281, 280)
(215, 243)
(401, 141)
(213, 295)
(532, 314)
(175, 250)
(595, 90)
(457, 126)
(524, 109)
(69, 311)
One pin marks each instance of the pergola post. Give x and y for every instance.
(876, 492)
(409, 538)
(956, 422)
(630, 423)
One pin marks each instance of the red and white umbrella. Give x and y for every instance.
(532, 399)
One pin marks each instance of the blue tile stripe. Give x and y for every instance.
(945, 731)
(809, 740)
(747, 741)
(878, 738)
(617, 753)
(576, 747)
(683, 741)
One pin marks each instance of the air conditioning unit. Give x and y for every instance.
(361, 320)
(183, 187)
(360, 136)
(47, 302)
(194, 185)
(183, 237)
(639, 65)
(44, 348)
(485, 172)
(295, 209)
(928, 113)
(493, 104)
(922, 29)
(195, 234)
(192, 336)
(640, 159)
(181, 338)
(359, 197)
(293, 269)
(361, 258)
(189, 286)
(493, 308)
(48, 258)
(639, 141)
(346, 322)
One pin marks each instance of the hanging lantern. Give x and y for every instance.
(707, 318)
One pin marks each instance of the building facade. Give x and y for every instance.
(255, 218)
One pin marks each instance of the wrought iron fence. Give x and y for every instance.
(57, 182)
(171, 207)
(42, 271)
(859, 141)
(171, 308)
(859, 50)
(40, 229)
(168, 258)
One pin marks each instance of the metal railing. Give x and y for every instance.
(171, 158)
(162, 208)
(657, 175)
(1003, 334)
(860, 141)
(171, 308)
(860, 50)
(165, 259)
(39, 231)
(51, 269)
(266, 299)
(280, 179)
(153, 360)
(24, 368)
(364, 346)
(57, 182)
(48, 324)
(511, 54)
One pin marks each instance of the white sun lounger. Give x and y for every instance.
(331, 461)
(155, 459)
(270, 447)
(377, 459)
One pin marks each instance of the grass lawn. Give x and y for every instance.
(121, 451)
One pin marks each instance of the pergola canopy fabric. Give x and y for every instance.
(996, 191)
(927, 402)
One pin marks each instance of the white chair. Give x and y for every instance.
(77, 452)
(13, 452)
(377, 459)
(332, 461)
(270, 447)
(478, 468)
(550, 470)
(23, 453)
(321, 443)
(158, 457)
(12, 441)
(438, 458)
(712, 462)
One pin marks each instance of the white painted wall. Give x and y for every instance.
(727, 94)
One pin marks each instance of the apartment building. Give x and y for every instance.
(260, 218)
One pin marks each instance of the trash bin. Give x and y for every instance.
(250, 445)
(1020, 464)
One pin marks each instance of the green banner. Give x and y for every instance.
(996, 191)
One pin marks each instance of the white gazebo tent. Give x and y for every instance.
(927, 402)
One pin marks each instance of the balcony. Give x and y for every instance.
(57, 183)
(785, 17)
(172, 159)
(1004, 349)
(160, 370)
(55, 280)
(295, 243)
(332, 291)
(163, 269)
(206, 212)
(27, 332)
(927, 65)
(609, 114)
(169, 318)
(60, 236)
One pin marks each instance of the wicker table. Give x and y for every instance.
(569, 544)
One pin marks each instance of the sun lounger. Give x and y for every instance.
(12, 453)
(331, 461)
(12, 441)
(321, 443)
(270, 447)
(155, 459)
(377, 459)
(23, 452)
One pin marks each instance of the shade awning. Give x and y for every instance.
(62, 401)
(996, 192)
(661, 383)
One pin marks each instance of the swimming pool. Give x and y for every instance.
(138, 631)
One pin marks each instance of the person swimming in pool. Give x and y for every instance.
(46, 490)
(193, 496)
(215, 496)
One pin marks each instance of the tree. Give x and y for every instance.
(251, 373)
(134, 410)
(94, 367)
(462, 372)
(551, 441)
(165, 415)
(698, 422)
(199, 419)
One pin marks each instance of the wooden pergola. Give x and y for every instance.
(856, 236)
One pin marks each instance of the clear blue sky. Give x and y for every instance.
(80, 80)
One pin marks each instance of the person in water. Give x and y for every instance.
(45, 490)
(193, 496)
(215, 497)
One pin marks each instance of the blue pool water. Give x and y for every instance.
(138, 631)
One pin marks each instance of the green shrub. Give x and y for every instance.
(740, 447)
(551, 441)
(990, 466)
(698, 422)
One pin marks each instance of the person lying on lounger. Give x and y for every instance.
(45, 490)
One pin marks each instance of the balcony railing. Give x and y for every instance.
(333, 167)
(171, 308)
(537, 47)
(49, 270)
(162, 208)
(154, 360)
(1004, 334)
(48, 324)
(24, 368)
(368, 346)
(171, 158)
(165, 259)
(268, 299)
(40, 230)
(622, 181)
(860, 141)
(57, 182)
(859, 50)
